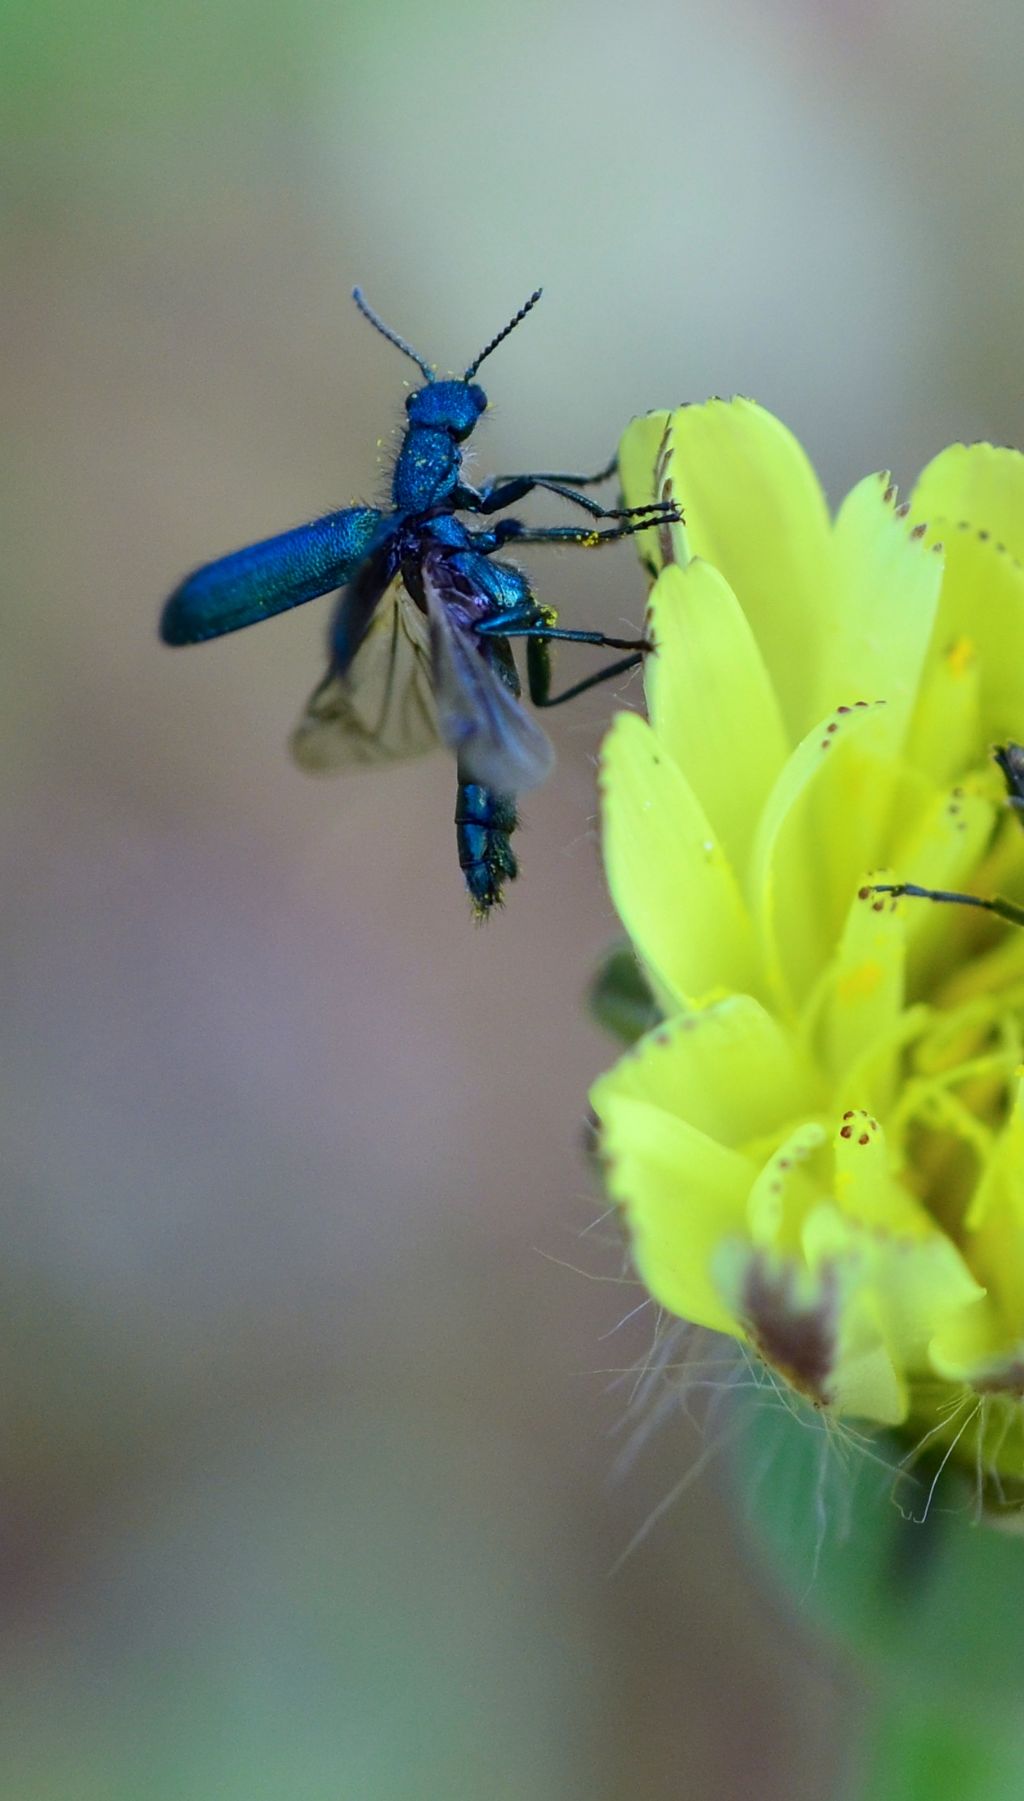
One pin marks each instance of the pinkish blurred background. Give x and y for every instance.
(307, 1472)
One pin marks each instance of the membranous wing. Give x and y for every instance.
(496, 741)
(381, 707)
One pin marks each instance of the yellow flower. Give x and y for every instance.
(820, 1150)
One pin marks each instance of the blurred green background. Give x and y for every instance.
(307, 1463)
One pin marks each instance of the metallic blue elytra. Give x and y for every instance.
(421, 640)
(269, 577)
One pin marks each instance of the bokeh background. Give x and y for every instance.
(310, 1449)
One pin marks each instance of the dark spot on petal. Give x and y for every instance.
(846, 1131)
(864, 1138)
(796, 1339)
(1009, 1380)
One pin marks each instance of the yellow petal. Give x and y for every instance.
(816, 1326)
(945, 735)
(898, 1292)
(1004, 1188)
(680, 1191)
(975, 1347)
(711, 701)
(919, 1280)
(729, 1069)
(789, 1313)
(982, 611)
(941, 850)
(803, 870)
(980, 483)
(849, 1323)
(867, 1192)
(787, 1188)
(644, 475)
(994, 1239)
(668, 874)
(754, 508)
(887, 585)
(863, 999)
(828, 1164)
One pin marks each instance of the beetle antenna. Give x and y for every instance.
(493, 345)
(392, 336)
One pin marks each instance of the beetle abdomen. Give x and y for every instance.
(484, 823)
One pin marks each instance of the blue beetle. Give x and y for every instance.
(419, 644)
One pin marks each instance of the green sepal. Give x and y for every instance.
(927, 1751)
(620, 997)
(934, 1606)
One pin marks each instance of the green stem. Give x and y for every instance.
(927, 1596)
(923, 1750)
